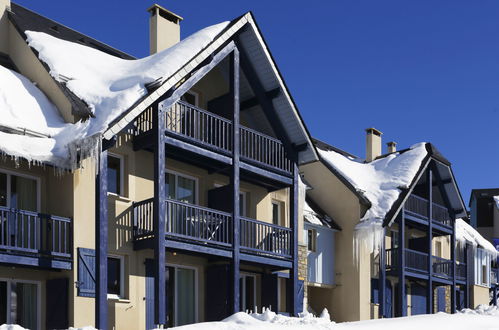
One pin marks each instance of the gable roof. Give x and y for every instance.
(387, 181)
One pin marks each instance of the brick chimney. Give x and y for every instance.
(373, 144)
(4, 26)
(392, 146)
(164, 28)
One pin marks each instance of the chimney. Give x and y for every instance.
(4, 26)
(392, 146)
(164, 28)
(373, 144)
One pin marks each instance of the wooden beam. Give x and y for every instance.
(253, 102)
(234, 90)
(294, 227)
(265, 103)
(401, 263)
(101, 237)
(159, 215)
(429, 298)
(382, 276)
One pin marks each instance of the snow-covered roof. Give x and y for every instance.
(465, 232)
(496, 200)
(311, 216)
(381, 180)
(108, 84)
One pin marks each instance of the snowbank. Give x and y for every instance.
(108, 84)
(482, 310)
(380, 181)
(466, 233)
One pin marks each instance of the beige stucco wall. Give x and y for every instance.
(350, 300)
(4, 26)
(479, 295)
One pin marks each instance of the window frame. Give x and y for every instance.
(185, 176)
(121, 295)
(38, 297)
(196, 294)
(314, 240)
(281, 222)
(242, 276)
(121, 158)
(196, 97)
(482, 258)
(10, 173)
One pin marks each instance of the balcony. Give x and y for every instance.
(205, 227)
(418, 207)
(212, 132)
(35, 239)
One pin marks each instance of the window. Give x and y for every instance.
(276, 213)
(395, 239)
(180, 187)
(19, 192)
(20, 303)
(182, 295)
(438, 249)
(312, 240)
(482, 267)
(191, 98)
(115, 276)
(247, 288)
(115, 174)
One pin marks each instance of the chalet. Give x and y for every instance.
(407, 201)
(145, 192)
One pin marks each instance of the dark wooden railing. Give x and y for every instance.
(442, 267)
(461, 271)
(203, 225)
(416, 261)
(419, 206)
(259, 236)
(35, 233)
(212, 131)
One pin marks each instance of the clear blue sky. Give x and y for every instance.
(421, 70)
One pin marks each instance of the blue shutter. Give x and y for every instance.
(374, 291)
(301, 296)
(441, 303)
(86, 272)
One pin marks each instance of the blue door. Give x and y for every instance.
(149, 298)
(388, 299)
(441, 299)
(418, 299)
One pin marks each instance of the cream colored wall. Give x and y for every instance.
(479, 295)
(28, 65)
(162, 33)
(350, 300)
(496, 223)
(4, 26)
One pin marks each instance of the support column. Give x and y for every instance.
(159, 216)
(101, 237)
(453, 259)
(469, 275)
(429, 298)
(234, 89)
(294, 241)
(401, 262)
(382, 276)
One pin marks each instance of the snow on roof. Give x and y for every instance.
(310, 215)
(108, 84)
(381, 180)
(496, 200)
(465, 232)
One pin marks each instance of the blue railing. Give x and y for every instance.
(27, 232)
(418, 206)
(212, 131)
(414, 260)
(461, 271)
(202, 225)
(442, 267)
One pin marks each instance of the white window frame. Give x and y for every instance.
(196, 295)
(482, 258)
(38, 298)
(279, 212)
(122, 174)
(121, 295)
(243, 276)
(38, 186)
(314, 242)
(186, 176)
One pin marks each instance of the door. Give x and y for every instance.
(19, 303)
(418, 299)
(247, 296)
(441, 299)
(388, 299)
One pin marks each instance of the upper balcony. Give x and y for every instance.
(190, 129)
(210, 231)
(418, 207)
(35, 239)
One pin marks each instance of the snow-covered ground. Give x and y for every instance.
(482, 318)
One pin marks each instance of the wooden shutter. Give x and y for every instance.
(374, 291)
(86, 272)
(56, 302)
(217, 293)
(301, 295)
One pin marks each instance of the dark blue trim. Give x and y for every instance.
(285, 264)
(401, 262)
(101, 241)
(382, 276)
(34, 261)
(159, 215)
(294, 243)
(429, 233)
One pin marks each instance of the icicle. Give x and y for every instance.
(368, 236)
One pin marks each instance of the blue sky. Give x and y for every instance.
(417, 70)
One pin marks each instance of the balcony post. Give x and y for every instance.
(159, 215)
(294, 240)
(234, 90)
(429, 295)
(453, 269)
(401, 262)
(382, 275)
(101, 237)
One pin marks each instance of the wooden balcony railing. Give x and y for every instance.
(419, 206)
(461, 271)
(442, 267)
(27, 232)
(202, 225)
(416, 261)
(214, 132)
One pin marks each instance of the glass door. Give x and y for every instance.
(181, 288)
(19, 304)
(247, 290)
